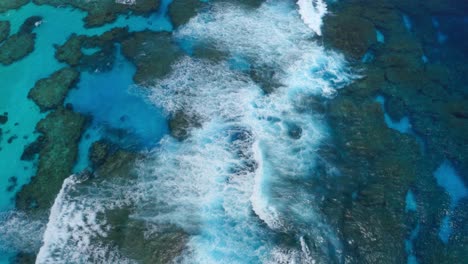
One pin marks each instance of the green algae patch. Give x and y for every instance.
(50, 93)
(6, 5)
(4, 30)
(62, 130)
(105, 11)
(153, 54)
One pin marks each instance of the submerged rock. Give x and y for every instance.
(50, 93)
(180, 125)
(3, 118)
(152, 53)
(30, 23)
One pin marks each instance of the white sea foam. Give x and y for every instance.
(272, 36)
(126, 2)
(312, 13)
(74, 228)
(20, 233)
(237, 181)
(232, 183)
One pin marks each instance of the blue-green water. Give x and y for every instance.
(20, 77)
(247, 184)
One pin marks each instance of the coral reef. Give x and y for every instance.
(21, 44)
(49, 93)
(180, 11)
(98, 153)
(6, 5)
(105, 11)
(152, 53)
(4, 30)
(71, 52)
(381, 163)
(61, 130)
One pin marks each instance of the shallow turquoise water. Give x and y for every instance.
(40, 64)
(17, 79)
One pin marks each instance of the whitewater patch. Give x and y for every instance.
(239, 181)
(239, 184)
(75, 228)
(271, 37)
(312, 13)
(20, 233)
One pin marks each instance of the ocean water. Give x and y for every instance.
(241, 187)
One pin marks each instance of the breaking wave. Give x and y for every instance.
(238, 185)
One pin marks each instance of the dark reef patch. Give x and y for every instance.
(153, 54)
(16, 47)
(382, 164)
(181, 11)
(4, 30)
(71, 52)
(180, 125)
(21, 44)
(98, 153)
(50, 93)
(6, 5)
(105, 11)
(3, 118)
(351, 33)
(34, 148)
(62, 130)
